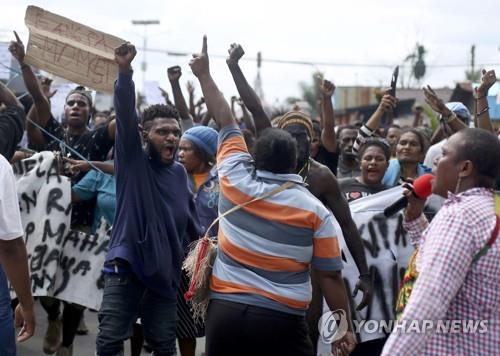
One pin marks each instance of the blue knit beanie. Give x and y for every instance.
(205, 138)
(460, 110)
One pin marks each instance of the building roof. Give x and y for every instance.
(418, 94)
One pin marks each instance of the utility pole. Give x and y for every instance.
(258, 81)
(145, 23)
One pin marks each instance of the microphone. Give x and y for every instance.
(422, 188)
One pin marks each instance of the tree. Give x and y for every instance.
(417, 63)
(311, 92)
(472, 74)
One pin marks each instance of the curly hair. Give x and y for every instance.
(159, 110)
(275, 151)
(374, 141)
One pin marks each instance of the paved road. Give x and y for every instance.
(83, 345)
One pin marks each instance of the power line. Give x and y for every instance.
(321, 63)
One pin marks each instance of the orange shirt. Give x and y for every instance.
(199, 179)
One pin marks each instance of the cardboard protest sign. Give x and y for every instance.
(71, 50)
(63, 264)
(387, 250)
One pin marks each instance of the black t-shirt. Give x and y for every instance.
(327, 158)
(94, 145)
(344, 171)
(12, 121)
(353, 189)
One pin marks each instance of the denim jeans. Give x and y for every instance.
(7, 331)
(124, 299)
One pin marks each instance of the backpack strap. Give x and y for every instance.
(275, 191)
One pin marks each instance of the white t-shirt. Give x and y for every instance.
(10, 217)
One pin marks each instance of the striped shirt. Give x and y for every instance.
(267, 248)
(364, 133)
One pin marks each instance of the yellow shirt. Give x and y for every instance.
(199, 179)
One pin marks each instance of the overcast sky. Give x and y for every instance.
(353, 32)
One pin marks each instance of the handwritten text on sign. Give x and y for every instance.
(71, 50)
(64, 264)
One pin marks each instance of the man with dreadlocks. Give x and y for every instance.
(155, 211)
(323, 184)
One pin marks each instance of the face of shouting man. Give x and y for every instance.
(77, 110)
(163, 137)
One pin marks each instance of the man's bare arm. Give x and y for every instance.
(8, 98)
(40, 112)
(438, 106)
(247, 118)
(328, 137)
(335, 294)
(40, 101)
(214, 99)
(14, 261)
(482, 110)
(174, 74)
(247, 94)
(192, 106)
(340, 209)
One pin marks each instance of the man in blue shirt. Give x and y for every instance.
(154, 212)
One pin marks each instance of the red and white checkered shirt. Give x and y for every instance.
(449, 286)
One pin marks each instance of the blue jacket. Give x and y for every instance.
(207, 201)
(393, 173)
(155, 209)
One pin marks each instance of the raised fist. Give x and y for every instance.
(488, 79)
(327, 88)
(174, 73)
(235, 53)
(124, 55)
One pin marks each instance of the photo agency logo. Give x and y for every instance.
(332, 326)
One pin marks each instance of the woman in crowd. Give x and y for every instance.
(374, 159)
(197, 150)
(410, 153)
(99, 185)
(374, 156)
(410, 149)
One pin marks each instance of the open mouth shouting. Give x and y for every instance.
(167, 152)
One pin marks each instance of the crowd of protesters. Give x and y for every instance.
(161, 176)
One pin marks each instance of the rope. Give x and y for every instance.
(63, 144)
